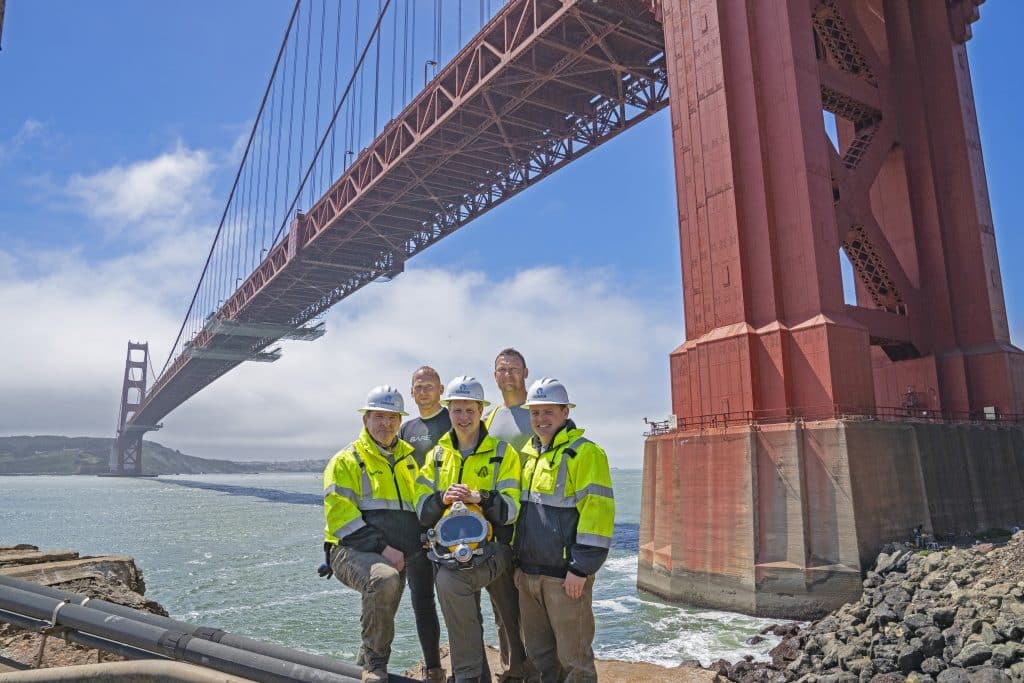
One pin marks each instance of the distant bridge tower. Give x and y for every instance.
(797, 455)
(126, 454)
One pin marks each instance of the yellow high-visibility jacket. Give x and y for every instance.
(369, 502)
(493, 468)
(568, 507)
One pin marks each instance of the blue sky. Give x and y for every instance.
(96, 97)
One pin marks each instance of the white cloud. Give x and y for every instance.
(74, 320)
(30, 129)
(157, 195)
(611, 350)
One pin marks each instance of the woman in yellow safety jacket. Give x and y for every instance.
(473, 467)
(493, 469)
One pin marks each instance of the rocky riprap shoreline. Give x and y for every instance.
(949, 616)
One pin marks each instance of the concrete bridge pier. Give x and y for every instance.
(782, 519)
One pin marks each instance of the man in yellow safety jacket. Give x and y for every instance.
(369, 506)
(470, 466)
(562, 538)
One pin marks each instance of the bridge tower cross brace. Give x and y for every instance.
(128, 443)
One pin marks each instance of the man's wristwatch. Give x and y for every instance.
(485, 495)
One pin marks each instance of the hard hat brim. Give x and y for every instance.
(366, 409)
(527, 404)
(446, 401)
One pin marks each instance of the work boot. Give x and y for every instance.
(436, 675)
(375, 671)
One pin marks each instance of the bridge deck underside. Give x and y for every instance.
(542, 83)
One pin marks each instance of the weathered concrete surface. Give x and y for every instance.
(117, 568)
(113, 578)
(780, 520)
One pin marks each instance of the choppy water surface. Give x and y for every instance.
(240, 552)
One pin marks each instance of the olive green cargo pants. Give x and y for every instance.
(458, 591)
(380, 586)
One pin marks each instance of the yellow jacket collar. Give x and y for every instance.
(566, 435)
(367, 445)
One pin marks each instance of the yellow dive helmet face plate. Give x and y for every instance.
(460, 535)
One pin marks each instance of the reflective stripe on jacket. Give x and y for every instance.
(568, 507)
(368, 502)
(493, 466)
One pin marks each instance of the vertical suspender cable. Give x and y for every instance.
(305, 91)
(334, 85)
(405, 52)
(412, 55)
(360, 82)
(376, 78)
(291, 128)
(234, 185)
(277, 152)
(394, 60)
(319, 90)
(352, 141)
(358, 68)
(438, 8)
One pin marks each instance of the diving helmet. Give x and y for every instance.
(460, 538)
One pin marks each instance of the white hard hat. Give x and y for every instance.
(547, 391)
(464, 388)
(384, 398)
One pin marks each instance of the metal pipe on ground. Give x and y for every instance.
(171, 644)
(84, 639)
(142, 671)
(212, 634)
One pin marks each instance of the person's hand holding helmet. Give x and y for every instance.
(461, 492)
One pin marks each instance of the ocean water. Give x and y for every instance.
(240, 552)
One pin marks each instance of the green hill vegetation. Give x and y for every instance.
(91, 455)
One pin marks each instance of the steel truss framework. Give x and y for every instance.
(857, 88)
(544, 82)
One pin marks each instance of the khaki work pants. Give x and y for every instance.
(458, 591)
(559, 631)
(381, 586)
(505, 602)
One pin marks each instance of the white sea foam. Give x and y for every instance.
(290, 600)
(702, 645)
(611, 605)
(282, 563)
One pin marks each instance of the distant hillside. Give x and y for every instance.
(89, 455)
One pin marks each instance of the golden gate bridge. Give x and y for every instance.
(367, 149)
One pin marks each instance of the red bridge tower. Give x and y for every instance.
(811, 431)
